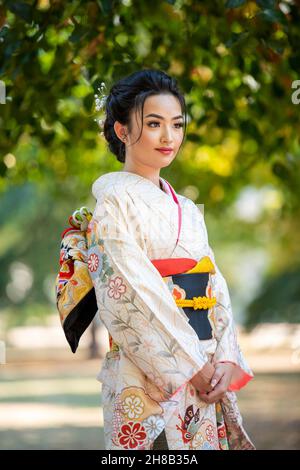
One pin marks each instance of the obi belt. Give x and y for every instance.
(191, 291)
(75, 294)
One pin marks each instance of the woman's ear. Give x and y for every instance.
(120, 130)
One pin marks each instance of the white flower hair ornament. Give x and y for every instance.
(100, 100)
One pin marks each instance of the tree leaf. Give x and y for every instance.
(266, 3)
(236, 38)
(21, 9)
(234, 3)
(273, 16)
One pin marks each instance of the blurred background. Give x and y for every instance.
(238, 64)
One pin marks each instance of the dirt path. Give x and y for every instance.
(57, 404)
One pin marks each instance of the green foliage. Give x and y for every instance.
(235, 61)
(278, 301)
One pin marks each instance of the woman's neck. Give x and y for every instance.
(150, 175)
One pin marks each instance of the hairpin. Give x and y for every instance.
(100, 100)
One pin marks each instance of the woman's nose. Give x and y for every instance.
(167, 134)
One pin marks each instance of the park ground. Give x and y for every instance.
(51, 402)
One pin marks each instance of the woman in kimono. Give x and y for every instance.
(167, 381)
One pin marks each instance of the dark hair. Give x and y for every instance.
(129, 94)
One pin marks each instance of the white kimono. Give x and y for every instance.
(145, 385)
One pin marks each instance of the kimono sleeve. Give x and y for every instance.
(228, 349)
(135, 303)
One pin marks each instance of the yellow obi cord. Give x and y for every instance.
(197, 302)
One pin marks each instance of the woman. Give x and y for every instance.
(167, 381)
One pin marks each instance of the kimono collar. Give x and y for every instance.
(104, 181)
(169, 190)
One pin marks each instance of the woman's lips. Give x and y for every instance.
(165, 152)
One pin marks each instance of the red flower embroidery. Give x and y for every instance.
(209, 433)
(221, 432)
(132, 434)
(178, 292)
(116, 288)
(93, 262)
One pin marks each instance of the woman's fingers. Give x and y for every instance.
(218, 374)
(220, 381)
(203, 396)
(215, 395)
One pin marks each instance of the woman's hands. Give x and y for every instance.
(212, 382)
(201, 381)
(220, 382)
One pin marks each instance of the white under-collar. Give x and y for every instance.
(165, 186)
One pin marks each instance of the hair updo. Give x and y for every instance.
(128, 95)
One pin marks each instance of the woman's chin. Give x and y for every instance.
(165, 161)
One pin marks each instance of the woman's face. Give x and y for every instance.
(163, 130)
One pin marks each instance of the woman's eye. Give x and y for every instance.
(180, 124)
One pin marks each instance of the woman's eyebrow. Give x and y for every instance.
(161, 117)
